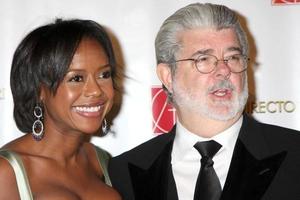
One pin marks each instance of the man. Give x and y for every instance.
(202, 60)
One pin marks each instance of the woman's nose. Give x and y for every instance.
(92, 88)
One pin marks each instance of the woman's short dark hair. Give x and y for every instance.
(43, 58)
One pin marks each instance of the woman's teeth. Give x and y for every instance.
(87, 109)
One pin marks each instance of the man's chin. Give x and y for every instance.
(222, 114)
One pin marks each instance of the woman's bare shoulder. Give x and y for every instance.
(8, 183)
(22, 146)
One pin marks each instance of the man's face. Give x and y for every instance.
(219, 95)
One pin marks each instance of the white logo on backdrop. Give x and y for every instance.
(280, 106)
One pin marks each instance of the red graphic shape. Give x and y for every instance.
(280, 2)
(163, 114)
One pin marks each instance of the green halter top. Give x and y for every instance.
(21, 176)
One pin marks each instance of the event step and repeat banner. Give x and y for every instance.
(141, 110)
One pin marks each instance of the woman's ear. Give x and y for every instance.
(164, 74)
(42, 93)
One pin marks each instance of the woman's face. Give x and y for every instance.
(84, 96)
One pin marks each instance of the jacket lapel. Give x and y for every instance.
(249, 178)
(253, 166)
(151, 177)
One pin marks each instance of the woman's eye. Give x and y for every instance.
(76, 78)
(105, 74)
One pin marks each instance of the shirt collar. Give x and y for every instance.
(184, 140)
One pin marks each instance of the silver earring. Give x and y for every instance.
(38, 126)
(104, 127)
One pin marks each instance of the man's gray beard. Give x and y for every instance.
(184, 97)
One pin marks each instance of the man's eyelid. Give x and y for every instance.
(232, 52)
(233, 55)
(205, 52)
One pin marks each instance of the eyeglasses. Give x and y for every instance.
(206, 63)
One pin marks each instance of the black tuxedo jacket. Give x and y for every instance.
(265, 165)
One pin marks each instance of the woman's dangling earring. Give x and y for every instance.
(38, 126)
(104, 127)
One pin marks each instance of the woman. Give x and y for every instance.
(62, 81)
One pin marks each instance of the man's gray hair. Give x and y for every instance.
(193, 16)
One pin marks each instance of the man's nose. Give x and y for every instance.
(222, 69)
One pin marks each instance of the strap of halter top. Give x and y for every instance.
(20, 173)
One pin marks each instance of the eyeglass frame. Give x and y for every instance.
(225, 60)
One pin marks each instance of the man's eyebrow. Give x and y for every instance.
(210, 51)
(234, 49)
(203, 51)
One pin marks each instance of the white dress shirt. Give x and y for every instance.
(186, 159)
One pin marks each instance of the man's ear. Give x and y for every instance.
(164, 74)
